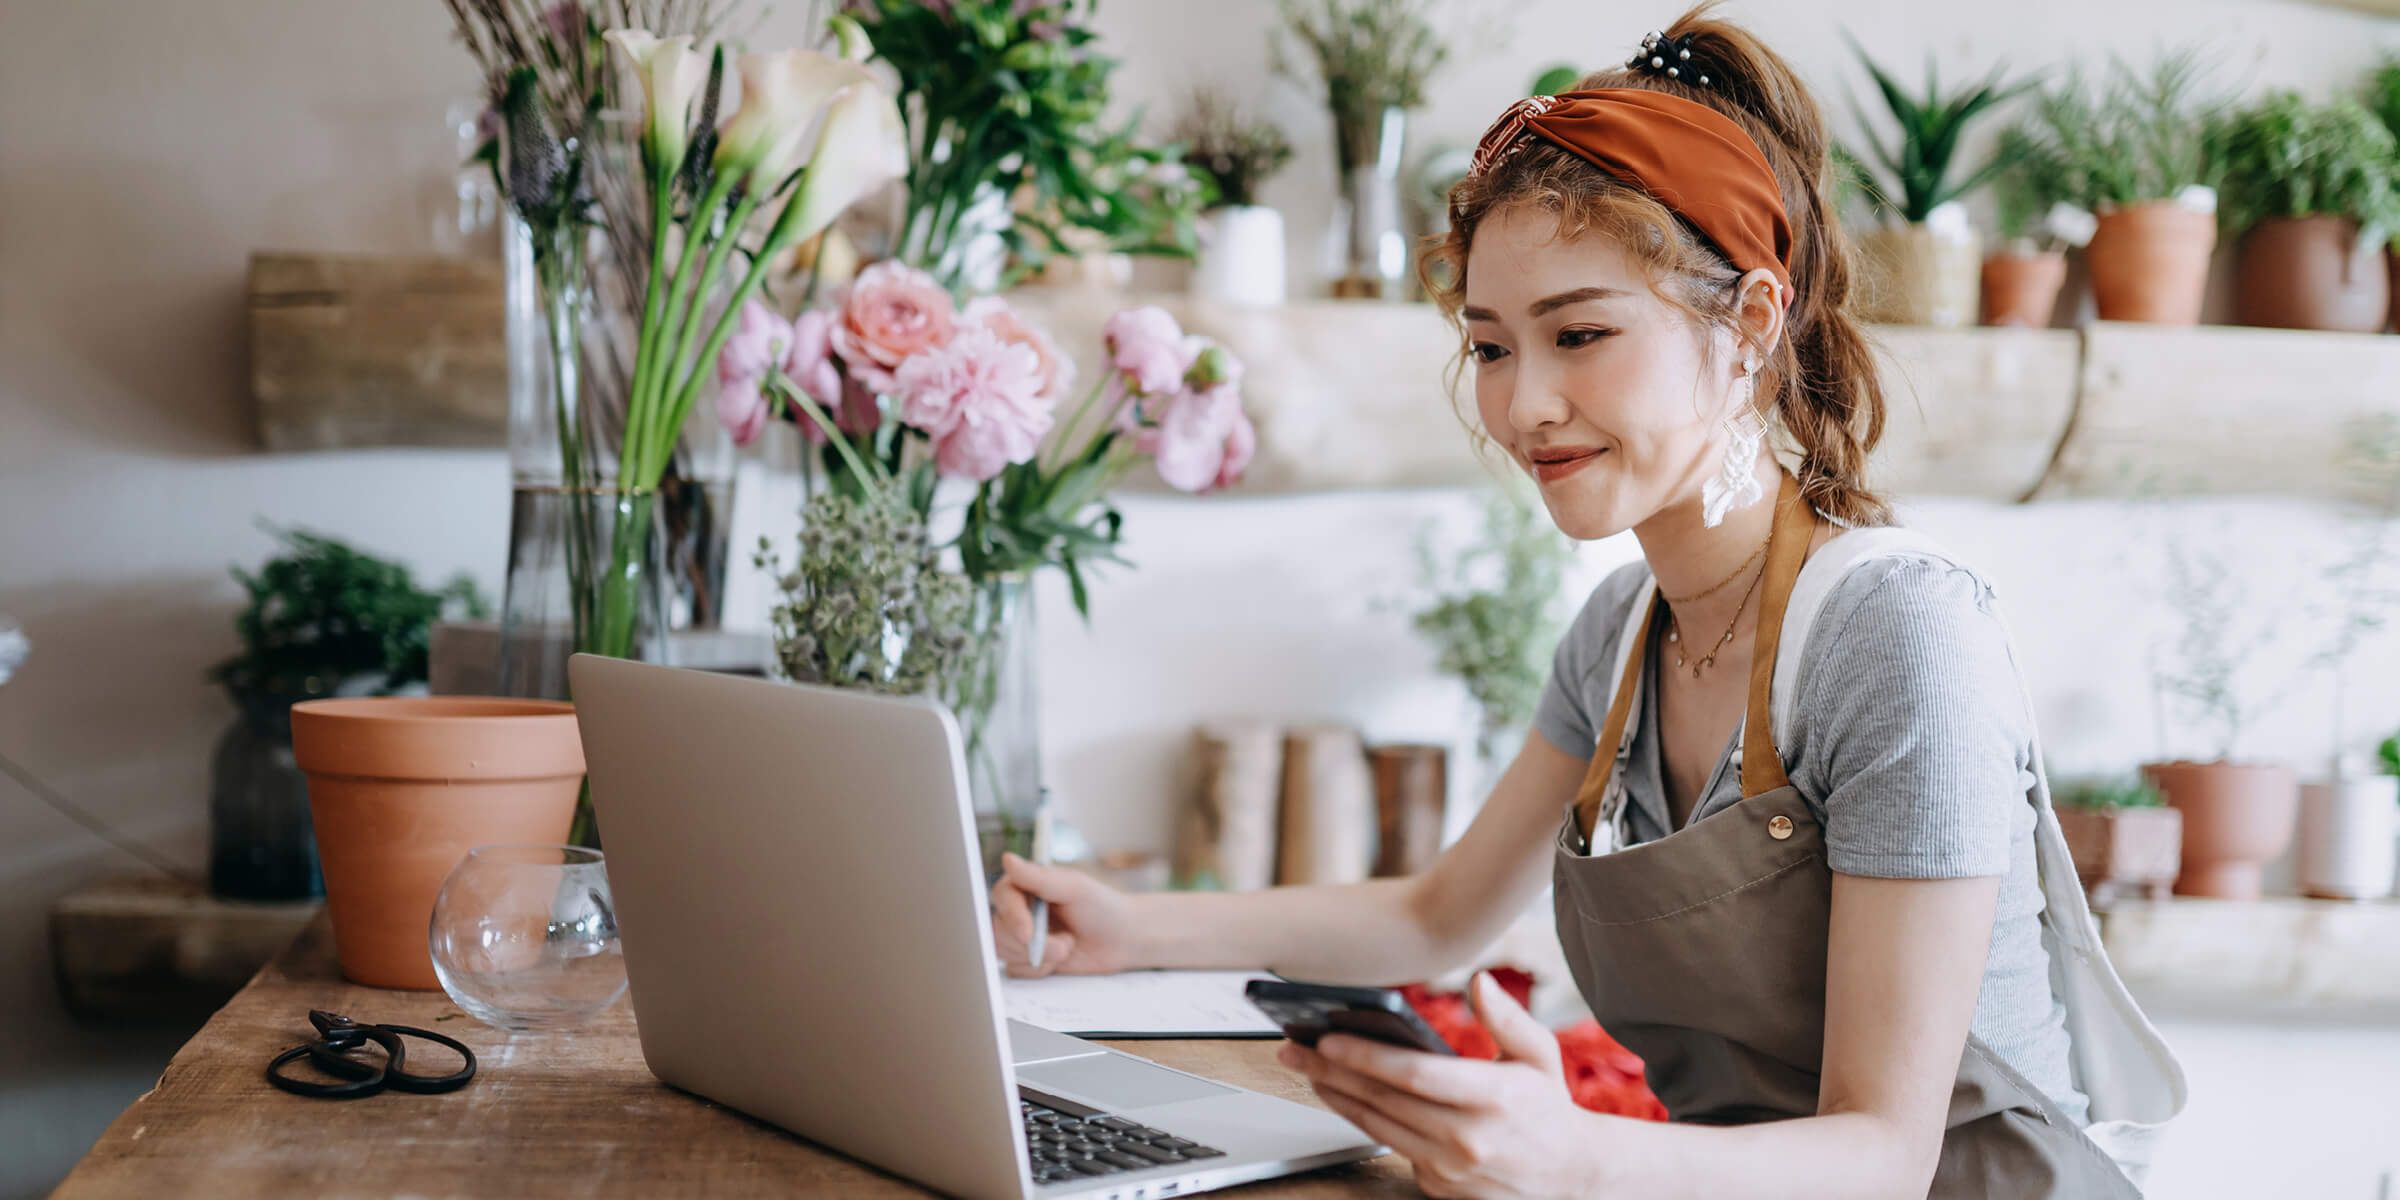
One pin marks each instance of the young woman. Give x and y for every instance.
(1828, 939)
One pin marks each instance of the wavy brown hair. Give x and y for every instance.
(1827, 396)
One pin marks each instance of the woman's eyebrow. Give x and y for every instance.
(1546, 303)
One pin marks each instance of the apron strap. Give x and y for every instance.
(1787, 548)
(1762, 767)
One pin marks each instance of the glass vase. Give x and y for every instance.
(1375, 248)
(997, 704)
(261, 842)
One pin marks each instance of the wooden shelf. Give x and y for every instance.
(2283, 954)
(351, 351)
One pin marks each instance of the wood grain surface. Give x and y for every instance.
(556, 1114)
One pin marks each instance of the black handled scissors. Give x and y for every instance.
(339, 1036)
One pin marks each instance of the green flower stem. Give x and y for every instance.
(1089, 399)
(645, 358)
(841, 442)
(679, 365)
(699, 224)
(778, 242)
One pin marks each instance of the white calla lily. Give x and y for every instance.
(781, 93)
(861, 148)
(672, 74)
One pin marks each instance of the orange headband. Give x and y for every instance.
(1694, 159)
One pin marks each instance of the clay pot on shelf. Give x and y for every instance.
(2348, 829)
(2310, 273)
(400, 788)
(1918, 275)
(2237, 817)
(2124, 852)
(2149, 262)
(2020, 287)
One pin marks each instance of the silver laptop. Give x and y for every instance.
(809, 941)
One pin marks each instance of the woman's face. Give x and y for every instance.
(1607, 395)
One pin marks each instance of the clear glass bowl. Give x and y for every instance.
(525, 937)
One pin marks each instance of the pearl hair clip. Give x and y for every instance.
(1669, 56)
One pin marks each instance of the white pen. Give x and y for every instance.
(1041, 857)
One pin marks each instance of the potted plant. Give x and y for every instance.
(2137, 152)
(1241, 253)
(2023, 277)
(2349, 821)
(1492, 618)
(2383, 96)
(2237, 816)
(323, 619)
(2125, 839)
(1373, 59)
(1920, 267)
(2313, 191)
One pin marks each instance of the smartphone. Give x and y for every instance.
(1308, 1011)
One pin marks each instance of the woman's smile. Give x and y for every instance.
(1554, 463)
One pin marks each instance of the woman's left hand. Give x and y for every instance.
(1469, 1127)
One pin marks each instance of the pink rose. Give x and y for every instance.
(993, 313)
(892, 311)
(1149, 348)
(980, 398)
(756, 348)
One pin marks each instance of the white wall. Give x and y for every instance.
(148, 147)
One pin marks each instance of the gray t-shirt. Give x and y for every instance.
(1911, 743)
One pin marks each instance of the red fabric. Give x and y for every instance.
(1694, 159)
(1601, 1075)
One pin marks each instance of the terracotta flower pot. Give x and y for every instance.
(400, 788)
(2149, 262)
(1911, 275)
(2310, 273)
(2022, 289)
(2237, 817)
(2124, 851)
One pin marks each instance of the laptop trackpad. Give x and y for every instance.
(1116, 1082)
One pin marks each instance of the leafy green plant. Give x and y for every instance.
(2136, 136)
(1494, 614)
(1916, 166)
(2383, 93)
(2026, 185)
(2286, 157)
(1235, 151)
(1369, 55)
(1011, 98)
(2109, 792)
(867, 602)
(1554, 80)
(325, 618)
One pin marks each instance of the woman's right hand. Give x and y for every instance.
(1091, 923)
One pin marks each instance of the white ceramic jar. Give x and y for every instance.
(2348, 828)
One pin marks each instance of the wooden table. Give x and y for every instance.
(554, 1114)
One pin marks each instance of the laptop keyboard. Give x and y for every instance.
(1069, 1145)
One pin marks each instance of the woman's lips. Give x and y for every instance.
(1552, 469)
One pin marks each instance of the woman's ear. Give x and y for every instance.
(1758, 312)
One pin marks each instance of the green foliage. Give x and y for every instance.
(1555, 80)
(1494, 616)
(1234, 151)
(1916, 168)
(2109, 793)
(323, 615)
(2135, 136)
(1031, 516)
(867, 604)
(1000, 95)
(1369, 55)
(2286, 157)
(2026, 183)
(2383, 93)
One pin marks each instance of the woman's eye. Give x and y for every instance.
(1569, 339)
(1484, 352)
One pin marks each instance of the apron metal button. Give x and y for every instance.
(1779, 827)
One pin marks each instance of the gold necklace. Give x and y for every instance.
(1719, 585)
(1675, 630)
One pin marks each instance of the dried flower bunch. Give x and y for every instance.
(1369, 55)
(1236, 151)
(868, 604)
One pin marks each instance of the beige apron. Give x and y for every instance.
(1704, 951)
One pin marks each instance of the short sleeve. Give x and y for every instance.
(1575, 696)
(1916, 737)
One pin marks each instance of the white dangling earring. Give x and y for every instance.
(1736, 484)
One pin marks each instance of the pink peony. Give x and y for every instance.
(1203, 440)
(809, 365)
(1149, 348)
(892, 311)
(757, 347)
(859, 413)
(980, 398)
(993, 313)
